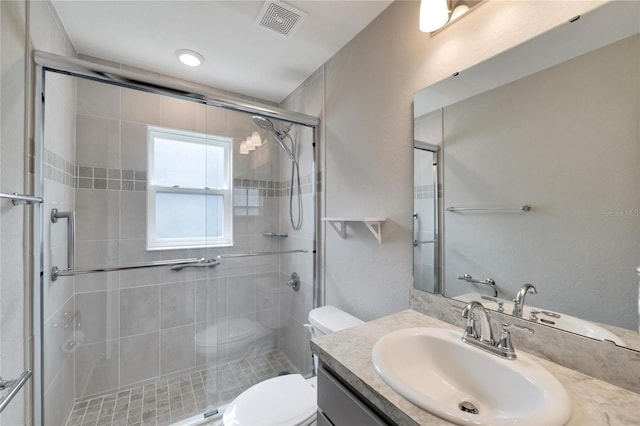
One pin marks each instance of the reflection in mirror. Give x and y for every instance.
(425, 217)
(562, 137)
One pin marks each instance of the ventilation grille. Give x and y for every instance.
(280, 17)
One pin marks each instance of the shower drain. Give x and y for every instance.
(468, 407)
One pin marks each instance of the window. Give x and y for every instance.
(188, 190)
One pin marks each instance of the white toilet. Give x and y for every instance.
(289, 400)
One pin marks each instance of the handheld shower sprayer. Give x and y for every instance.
(279, 136)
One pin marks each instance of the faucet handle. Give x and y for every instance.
(504, 342)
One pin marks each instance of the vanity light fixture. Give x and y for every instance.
(436, 14)
(189, 57)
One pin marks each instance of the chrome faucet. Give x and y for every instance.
(486, 334)
(518, 302)
(484, 340)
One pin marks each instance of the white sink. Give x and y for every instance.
(436, 371)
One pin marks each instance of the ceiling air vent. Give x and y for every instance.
(280, 17)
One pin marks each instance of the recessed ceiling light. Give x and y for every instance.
(189, 57)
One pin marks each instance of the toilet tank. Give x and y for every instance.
(329, 319)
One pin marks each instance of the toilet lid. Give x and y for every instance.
(281, 401)
(329, 319)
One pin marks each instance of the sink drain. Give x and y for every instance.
(468, 407)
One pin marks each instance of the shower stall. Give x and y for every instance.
(177, 245)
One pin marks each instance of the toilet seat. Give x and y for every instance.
(281, 401)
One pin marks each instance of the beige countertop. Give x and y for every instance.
(348, 354)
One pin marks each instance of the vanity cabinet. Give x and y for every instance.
(339, 406)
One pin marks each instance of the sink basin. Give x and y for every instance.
(439, 373)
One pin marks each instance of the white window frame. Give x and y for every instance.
(226, 240)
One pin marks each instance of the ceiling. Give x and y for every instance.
(240, 55)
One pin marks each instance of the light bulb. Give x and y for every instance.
(255, 139)
(433, 15)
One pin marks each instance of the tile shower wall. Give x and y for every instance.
(140, 325)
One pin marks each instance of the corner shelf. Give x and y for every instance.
(373, 223)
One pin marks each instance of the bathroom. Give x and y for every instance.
(366, 170)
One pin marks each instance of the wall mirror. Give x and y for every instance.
(540, 170)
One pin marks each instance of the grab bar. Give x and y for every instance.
(55, 272)
(17, 199)
(523, 208)
(14, 386)
(71, 234)
(209, 263)
(260, 253)
(488, 281)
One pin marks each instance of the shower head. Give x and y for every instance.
(278, 135)
(264, 123)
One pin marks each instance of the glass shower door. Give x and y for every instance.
(253, 316)
(152, 180)
(119, 343)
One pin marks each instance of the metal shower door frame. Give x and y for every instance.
(44, 62)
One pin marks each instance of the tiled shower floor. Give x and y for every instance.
(171, 400)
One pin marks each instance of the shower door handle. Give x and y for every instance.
(71, 234)
(209, 263)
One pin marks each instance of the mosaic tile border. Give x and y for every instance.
(112, 179)
(59, 170)
(86, 177)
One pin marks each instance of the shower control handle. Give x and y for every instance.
(294, 282)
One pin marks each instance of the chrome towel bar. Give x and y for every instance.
(523, 208)
(18, 199)
(260, 253)
(177, 264)
(56, 272)
(13, 387)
